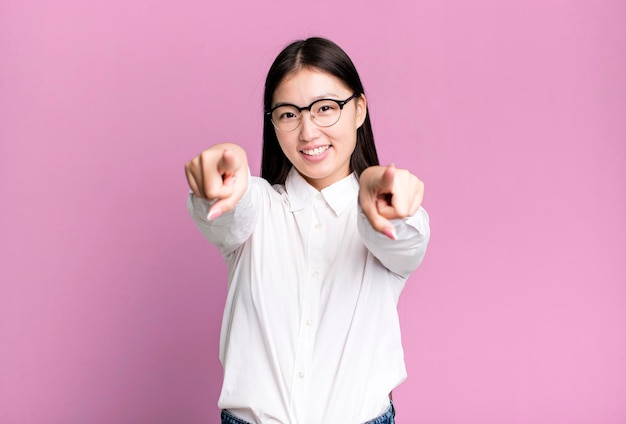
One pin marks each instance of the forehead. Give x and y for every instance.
(307, 84)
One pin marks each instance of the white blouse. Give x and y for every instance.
(310, 332)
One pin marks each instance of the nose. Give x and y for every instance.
(308, 129)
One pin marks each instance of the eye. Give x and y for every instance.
(326, 107)
(285, 114)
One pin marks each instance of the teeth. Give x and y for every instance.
(316, 151)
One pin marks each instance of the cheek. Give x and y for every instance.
(346, 132)
(282, 138)
(286, 143)
(351, 121)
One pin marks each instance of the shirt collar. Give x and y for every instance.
(337, 196)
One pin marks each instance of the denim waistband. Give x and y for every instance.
(386, 418)
(228, 418)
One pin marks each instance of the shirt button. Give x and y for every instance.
(318, 225)
(308, 322)
(301, 374)
(315, 274)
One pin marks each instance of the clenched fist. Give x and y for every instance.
(219, 174)
(389, 193)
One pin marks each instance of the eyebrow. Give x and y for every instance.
(316, 98)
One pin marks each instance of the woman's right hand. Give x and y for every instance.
(219, 173)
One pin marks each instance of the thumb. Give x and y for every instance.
(217, 209)
(377, 221)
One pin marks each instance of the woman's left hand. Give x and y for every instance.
(386, 193)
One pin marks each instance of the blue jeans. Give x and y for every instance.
(386, 418)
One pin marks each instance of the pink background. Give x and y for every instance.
(514, 113)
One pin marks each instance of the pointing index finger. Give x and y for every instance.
(387, 179)
(228, 163)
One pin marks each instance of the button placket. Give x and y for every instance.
(310, 307)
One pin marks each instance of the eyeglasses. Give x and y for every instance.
(324, 113)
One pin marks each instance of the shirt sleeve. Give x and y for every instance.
(403, 255)
(231, 229)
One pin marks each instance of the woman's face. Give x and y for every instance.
(320, 154)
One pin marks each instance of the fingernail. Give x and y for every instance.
(214, 213)
(391, 233)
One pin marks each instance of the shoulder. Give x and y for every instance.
(263, 191)
(261, 185)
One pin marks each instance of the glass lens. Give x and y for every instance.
(286, 118)
(325, 112)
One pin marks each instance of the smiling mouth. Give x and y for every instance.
(315, 152)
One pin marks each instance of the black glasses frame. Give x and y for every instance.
(340, 103)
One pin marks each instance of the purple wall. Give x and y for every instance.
(513, 113)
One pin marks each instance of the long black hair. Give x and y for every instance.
(325, 55)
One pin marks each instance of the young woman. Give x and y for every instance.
(318, 251)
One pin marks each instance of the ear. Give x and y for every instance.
(361, 110)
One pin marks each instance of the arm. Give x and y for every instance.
(403, 254)
(392, 223)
